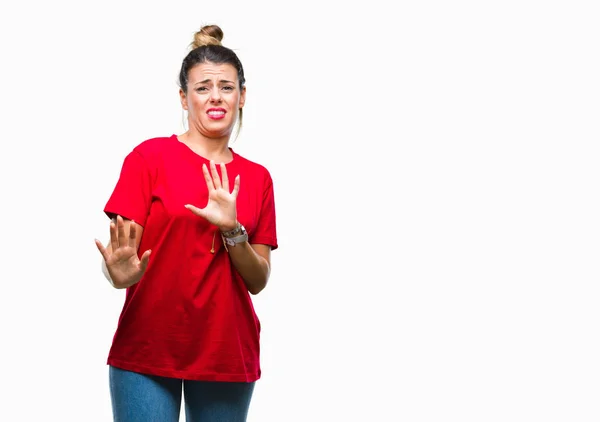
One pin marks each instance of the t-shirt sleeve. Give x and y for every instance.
(132, 195)
(266, 232)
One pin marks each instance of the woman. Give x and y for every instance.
(192, 228)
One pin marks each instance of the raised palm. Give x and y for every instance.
(220, 209)
(122, 262)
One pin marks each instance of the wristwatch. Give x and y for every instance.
(233, 232)
(235, 236)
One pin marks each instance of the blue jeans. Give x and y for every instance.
(148, 398)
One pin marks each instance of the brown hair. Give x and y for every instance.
(207, 47)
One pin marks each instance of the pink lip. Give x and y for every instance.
(217, 116)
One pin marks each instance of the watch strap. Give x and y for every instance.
(232, 241)
(234, 232)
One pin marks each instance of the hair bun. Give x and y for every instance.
(208, 35)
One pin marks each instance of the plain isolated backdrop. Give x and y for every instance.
(436, 179)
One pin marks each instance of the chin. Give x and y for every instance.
(219, 133)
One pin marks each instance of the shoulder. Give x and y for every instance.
(151, 147)
(153, 151)
(254, 169)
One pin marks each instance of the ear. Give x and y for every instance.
(183, 99)
(243, 97)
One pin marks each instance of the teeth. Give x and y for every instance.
(216, 113)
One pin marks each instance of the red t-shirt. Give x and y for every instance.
(190, 316)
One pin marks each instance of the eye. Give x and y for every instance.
(228, 88)
(201, 89)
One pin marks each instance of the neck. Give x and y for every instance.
(216, 149)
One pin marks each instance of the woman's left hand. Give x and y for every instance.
(220, 209)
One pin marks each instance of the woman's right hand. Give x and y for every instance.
(122, 262)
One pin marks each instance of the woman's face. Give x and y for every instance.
(213, 99)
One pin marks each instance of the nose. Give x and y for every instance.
(215, 95)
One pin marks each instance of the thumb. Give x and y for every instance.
(199, 212)
(102, 249)
(144, 261)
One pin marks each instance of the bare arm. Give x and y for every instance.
(253, 262)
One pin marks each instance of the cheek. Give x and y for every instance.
(194, 104)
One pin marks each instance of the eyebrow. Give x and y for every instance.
(209, 80)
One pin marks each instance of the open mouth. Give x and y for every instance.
(216, 113)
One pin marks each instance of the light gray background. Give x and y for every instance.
(436, 177)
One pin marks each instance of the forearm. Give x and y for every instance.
(253, 267)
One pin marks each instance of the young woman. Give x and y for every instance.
(191, 233)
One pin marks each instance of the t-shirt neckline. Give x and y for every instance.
(206, 160)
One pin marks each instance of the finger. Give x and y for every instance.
(209, 180)
(114, 243)
(224, 178)
(144, 261)
(199, 212)
(102, 249)
(121, 231)
(236, 186)
(132, 233)
(215, 175)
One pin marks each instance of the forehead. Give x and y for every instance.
(209, 70)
